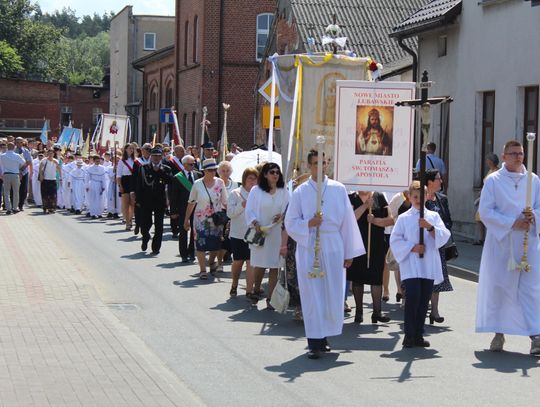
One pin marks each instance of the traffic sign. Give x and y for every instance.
(266, 91)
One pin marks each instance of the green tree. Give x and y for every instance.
(10, 62)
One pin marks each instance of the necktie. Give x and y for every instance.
(190, 177)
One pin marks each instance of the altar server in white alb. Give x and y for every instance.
(77, 186)
(322, 294)
(114, 202)
(418, 274)
(96, 181)
(509, 300)
(36, 187)
(67, 167)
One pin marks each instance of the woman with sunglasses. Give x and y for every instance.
(208, 195)
(265, 209)
(437, 202)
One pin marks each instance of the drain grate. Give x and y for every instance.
(120, 306)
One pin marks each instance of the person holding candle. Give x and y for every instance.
(322, 293)
(509, 285)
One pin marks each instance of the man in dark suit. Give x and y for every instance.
(179, 190)
(175, 162)
(152, 178)
(137, 164)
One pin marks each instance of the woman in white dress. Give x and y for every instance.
(265, 210)
(224, 173)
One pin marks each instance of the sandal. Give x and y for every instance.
(233, 291)
(203, 275)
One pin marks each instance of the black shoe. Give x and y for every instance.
(314, 354)
(185, 260)
(144, 245)
(379, 318)
(109, 215)
(16, 210)
(175, 235)
(438, 320)
(326, 347)
(88, 214)
(421, 342)
(21, 209)
(77, 212)
(399, 297)
(115, 216)
(136, 230)
(359, 318)
(408, 342)
(154, 252)
(8, 212)
(94, 217)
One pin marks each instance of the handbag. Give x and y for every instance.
(41, 174)
(280, 296)
(218, 217)
(450, 250)
(253, 237)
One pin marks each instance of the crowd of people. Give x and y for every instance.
(361, 237)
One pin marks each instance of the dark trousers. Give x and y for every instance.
(316, 344)
(417, 294)
(186, 249)
(175, 225)
(146, 224)
(23, 190)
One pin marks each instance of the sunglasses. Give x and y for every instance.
(274, 172)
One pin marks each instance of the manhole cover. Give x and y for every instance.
(119, 306)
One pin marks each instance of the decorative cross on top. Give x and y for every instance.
(424, 103)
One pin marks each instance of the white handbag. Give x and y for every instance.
(280, 295)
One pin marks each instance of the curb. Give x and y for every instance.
(462, 273)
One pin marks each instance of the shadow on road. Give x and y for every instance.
(506, 362)
(408, 356)
(136, 256)
(295, 368)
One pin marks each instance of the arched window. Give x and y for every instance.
(184, 127)
(186, 33)
(195, 38)
(153, 98)
(264, 22)
(194, 127)
(169, 102)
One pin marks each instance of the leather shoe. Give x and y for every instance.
(314, 354)
(185, 260)
(408, 342)
(421, 342)
(144, 245)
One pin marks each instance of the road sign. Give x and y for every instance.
(166, 116)
(266, 117)
(266, 91)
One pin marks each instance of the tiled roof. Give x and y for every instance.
(433, 14)
(366, 23)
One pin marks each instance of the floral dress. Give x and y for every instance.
(208, 236)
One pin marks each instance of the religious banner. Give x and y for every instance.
(114, 130)
(374, 137)
(307, 102)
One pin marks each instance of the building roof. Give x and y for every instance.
(154, 56)
(434, 14)
(366, 24)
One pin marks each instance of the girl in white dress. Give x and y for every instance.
(265, 209)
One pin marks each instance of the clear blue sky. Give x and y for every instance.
(89, 7)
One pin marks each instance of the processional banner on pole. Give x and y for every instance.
(114, 130)
(374, 138)
(307, 102)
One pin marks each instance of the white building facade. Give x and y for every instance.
(485, 55)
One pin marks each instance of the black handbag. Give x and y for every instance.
(450, 250)
(218, 217)
(253, 237)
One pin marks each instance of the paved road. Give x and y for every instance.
(231, 354)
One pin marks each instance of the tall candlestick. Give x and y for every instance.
(530, 147)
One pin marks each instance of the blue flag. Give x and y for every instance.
(44, 133)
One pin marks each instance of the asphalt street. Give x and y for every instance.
(230, 353)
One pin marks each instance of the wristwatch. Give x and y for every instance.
(431, 228)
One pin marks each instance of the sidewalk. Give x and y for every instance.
(59, 344)
(467, 265)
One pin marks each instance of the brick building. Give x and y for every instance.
(158, 89)
(218, 47)
(24, 104)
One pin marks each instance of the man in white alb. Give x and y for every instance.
(508, 299)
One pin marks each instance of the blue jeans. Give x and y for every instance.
(417, 294)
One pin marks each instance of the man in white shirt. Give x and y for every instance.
(12, 164)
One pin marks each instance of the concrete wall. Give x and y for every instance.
(491, 48)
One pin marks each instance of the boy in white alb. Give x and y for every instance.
(95, 182)
(77, 186)
(418, 274)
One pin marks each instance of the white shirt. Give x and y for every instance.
(123, 170)
(11, 162)
(235, 211)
